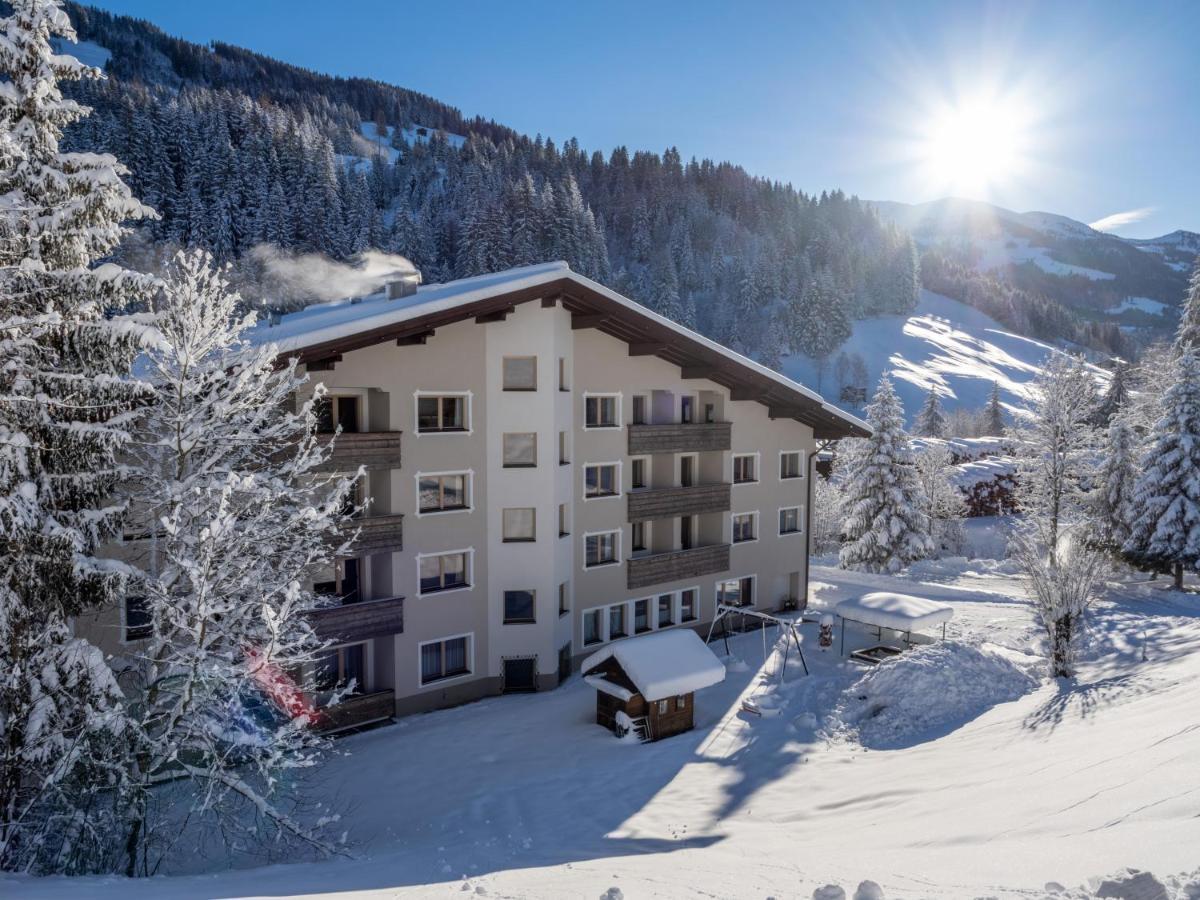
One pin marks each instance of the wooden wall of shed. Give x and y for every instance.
(607, 707)
(675, 720)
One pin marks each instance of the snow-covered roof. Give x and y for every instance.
(663, 664)
(900, 612)
(324, 325)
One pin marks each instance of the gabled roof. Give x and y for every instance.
(320, 334)
(663, 664)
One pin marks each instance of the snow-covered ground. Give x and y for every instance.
(944, 344)
(997, 782)
(1141, 304)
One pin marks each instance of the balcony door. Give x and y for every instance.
(687, 471)
(685, 533)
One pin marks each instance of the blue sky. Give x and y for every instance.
(845, 94)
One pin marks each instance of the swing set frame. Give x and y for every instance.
(789, 625)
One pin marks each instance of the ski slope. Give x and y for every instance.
(942, 344)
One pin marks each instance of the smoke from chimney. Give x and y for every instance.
(316, 276)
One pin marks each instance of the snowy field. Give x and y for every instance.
(957, 771)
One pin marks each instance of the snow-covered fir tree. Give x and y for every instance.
(885, 526)
(232, 489)
(65, 401)
(1166, 496)
(1114, 495)
(1188, 335)
(1116, 395)
(931, 421)
(992, 423)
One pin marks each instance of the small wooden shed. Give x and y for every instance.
(648, 684)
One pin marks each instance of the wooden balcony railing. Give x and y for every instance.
(676, 565)
(373, 449)
(376, 534)
(358, 710)
(667, 503)
(679, 437)
(358, 621)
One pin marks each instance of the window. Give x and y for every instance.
(441, 413)
(562, 374)
(666, 610)
(790, 521)
(601, 411)
(335, 412)
(564, 605)
(445, 659)
(687, 410)
(518, 607)
(639, 409)
(564, 527)
(601, 549)
(681, 702)
(745, 468)
(637, 473)
(442, 493)
(736, 591)
(616, 622)
(520, 450)
(686, 529)
(791, 464)
(138, 623)
(687, 605)
(687, 471)
(444, 572)
(591, 627)
(564, 458)
(745, 527)
(638, 532)
(601, 480)
(641, 616)
(342, 667)
(663, 706)
(520, 373)
(344, 585)
(520, 524)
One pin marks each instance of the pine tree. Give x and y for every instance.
(1115, 397)
(885, 525)
(1117, 478)
(943, 500)
(931, 422)
(1166, 495)
(1188, 335)
(65, 400)
(230, 485)
(992, 423)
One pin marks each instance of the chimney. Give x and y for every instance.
(403, 284)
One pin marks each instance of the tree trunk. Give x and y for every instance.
(1061, 651)
(1179, 576)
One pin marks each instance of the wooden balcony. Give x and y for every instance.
(376, 534)
(358, 621)
(373, 449)
(679, 438)
(676, 565)
(358, 710)
(668, 503)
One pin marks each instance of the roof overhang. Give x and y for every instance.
(592, 305)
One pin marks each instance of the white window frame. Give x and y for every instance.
(620, 533)
(647, 400)
(368, 646)
(696, 411)
(360, 394)
(470, 636)
(602, 631)
(470, 561)
(679, 605)
(757, 468)
(803, 464)
(646, 461)
(753, 590)
(757, 522)
(651, 614)
(616, 481)
(799, 520)
(470, 507)
(648, 531)
(620, 411)
(417, 395)
(607, 629)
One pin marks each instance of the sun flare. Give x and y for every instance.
(972, 146)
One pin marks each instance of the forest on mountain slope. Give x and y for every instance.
(236, 150)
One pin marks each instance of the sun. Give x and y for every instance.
(973, 146)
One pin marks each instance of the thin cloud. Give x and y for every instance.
(1121, 219)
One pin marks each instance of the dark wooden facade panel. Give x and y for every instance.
(676, 565)
(359, 710)
(359, 621)
(376, 534)
(667, 503)
(680, 437)
(373, 449)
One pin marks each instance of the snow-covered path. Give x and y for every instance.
(526, 797)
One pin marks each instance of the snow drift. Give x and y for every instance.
(927, 693)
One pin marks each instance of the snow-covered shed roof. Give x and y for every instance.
(663, 664)
(320, 334)
(899, 612)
